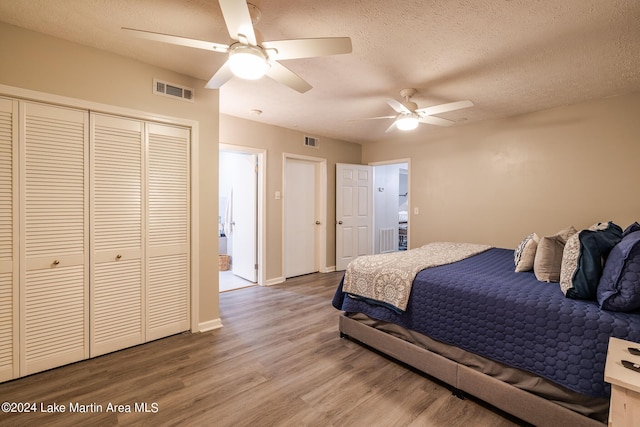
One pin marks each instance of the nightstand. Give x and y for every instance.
(625, 384)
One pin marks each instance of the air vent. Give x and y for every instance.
(172, 90)
(310, 141)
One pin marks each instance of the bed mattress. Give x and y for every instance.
(481, 305)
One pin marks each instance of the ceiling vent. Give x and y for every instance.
(310, 141)
(173, 90)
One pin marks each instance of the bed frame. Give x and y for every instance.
(519, 403)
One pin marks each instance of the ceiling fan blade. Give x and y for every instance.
(443, 108)
(221, 76)
(435, 121)
(177, 40)
(390, 128)
(381, 117)
(282, 74)
(238, 20)
(307, 48)
(398, 106)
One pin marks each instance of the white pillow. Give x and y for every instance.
(525, 253)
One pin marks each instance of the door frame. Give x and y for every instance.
(321, 204)
(261, 155)
(393, 162)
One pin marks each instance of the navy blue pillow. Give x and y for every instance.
(582, 260)
(631, 229)
(619, 287)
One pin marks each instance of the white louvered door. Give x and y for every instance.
(54, 260)
(8, 240)
(117, 280)
(168, 230)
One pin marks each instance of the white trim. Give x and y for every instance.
(321, 255)
(65, 101)
(329, 269)
(210, 325)
(262, 202)
(275, 281)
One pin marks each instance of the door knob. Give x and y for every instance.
(317, 222)
(340, 222)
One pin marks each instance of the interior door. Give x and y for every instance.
(8, 239)
(117, 268)
(354, 212)
(300, 217)
(54, 203)
(244, 217)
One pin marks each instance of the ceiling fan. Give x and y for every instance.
(409, 115)
(250, 57)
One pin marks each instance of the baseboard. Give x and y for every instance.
(274, 281)
(210, 325)
(330, 269)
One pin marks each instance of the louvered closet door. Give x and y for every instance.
(117, 309)
(8, 240)
(54, 210)
(168, 231)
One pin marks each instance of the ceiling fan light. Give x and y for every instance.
(248, 62)
(407, 122)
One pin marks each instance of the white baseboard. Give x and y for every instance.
(330, 269)
(274, 281)
(210, 325)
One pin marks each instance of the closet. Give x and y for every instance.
(100, 206)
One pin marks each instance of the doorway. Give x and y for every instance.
(304, 215)
(241, 217)
(372, 209)
(391, 206)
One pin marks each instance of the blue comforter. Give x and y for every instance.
(481, 305)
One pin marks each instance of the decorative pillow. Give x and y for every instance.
(631, 229)
(619, 287)
(548, 260)
(525, 253)
(583, 258)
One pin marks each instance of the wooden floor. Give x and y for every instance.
(278, 361)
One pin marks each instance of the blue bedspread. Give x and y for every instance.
(481, 305)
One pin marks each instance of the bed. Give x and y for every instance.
(502, 336)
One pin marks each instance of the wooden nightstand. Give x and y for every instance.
(625, 384)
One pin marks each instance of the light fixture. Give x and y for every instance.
(248, 62)
(407, 121)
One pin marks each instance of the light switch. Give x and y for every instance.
(277, 195)
(416, 211)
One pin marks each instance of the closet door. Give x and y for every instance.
(168, 231)
(116, 279)
(54, 258)
(8, 240)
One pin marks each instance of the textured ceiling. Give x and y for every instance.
(507, 56)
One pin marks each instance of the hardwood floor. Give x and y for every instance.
(278, 361)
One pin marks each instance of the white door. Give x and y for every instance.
(300, 217)
(8, 239)
(54, 278)
(168, 228)
(244, 217)
(354, 212)
(117, 267)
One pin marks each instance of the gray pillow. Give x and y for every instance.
(548, 261)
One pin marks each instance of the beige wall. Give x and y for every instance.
(495, 182)
(276, 141)
(36, 62)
